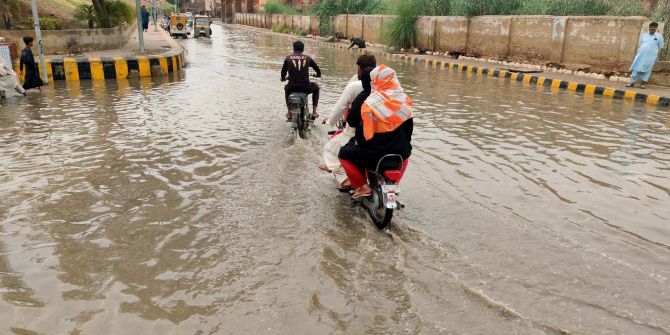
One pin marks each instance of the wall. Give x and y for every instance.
(56, 42)
(600, 42)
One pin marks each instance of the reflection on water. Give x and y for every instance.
(183, 204)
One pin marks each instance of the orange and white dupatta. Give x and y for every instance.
(388, 106)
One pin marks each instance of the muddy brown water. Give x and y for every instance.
(184, 205)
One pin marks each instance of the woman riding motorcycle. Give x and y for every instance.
(382, 116)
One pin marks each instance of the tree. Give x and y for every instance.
(86, 12)
(101, 13)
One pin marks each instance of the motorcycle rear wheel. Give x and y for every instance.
(380, 215)
(302, 125)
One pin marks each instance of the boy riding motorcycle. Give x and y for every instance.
(297, 66)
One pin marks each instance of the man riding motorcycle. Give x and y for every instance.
(297, 65)
(332, 148)
(382, 115)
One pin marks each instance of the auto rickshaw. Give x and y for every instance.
(202, 27)
(178, 27)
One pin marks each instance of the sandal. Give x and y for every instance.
(358, 195)
(643, 86)
(630, 85)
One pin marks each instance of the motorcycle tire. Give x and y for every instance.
(379, 214)
(301, 123)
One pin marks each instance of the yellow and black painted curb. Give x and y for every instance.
(95, 68)
(526, 78)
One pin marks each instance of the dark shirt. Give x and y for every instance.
(27, 60)
(359, 42)
(145, 16)
(297, 67)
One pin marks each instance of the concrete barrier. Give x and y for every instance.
(425, 32)
(75, 40)
(451, 33)
(94, 68)
(488, 36)
(528, 37)
(354, 26)
(373, 28)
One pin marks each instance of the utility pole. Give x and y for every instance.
(140, 31)
(154, 14)
(38, 37)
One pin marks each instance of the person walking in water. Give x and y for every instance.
(145, 18)
(647, 54)
(32, 76)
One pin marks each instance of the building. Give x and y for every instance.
(230, 7)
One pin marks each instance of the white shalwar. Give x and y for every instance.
(8, 80)
(332, 148)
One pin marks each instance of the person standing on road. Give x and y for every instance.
(32, 76)
(296, 66)
(647, 55)
(145, 18)
(357, 41)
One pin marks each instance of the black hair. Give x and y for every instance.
(27, 39)
(653, 25)
(298, 46)
(366, 80)
(366, 60)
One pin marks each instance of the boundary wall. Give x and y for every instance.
(527, 79)
(75, 40)
(598, 43)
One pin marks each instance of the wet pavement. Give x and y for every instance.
(184, 205)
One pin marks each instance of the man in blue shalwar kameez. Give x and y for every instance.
(647, 54)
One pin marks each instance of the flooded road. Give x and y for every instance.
(185, 206)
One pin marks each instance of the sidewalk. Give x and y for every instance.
(162, 55)
(653, 95)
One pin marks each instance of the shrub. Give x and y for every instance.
(119, 12)
(402, 30)
(662, 14)
(485, 7)
(276, 7)
(50, 23)
(86, 13)
(300, 32)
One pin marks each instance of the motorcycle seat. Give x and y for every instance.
(297, 98)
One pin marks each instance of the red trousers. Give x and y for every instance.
(357, 176)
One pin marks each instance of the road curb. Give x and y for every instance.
(101, 68)
(525, 78)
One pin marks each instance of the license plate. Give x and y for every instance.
(390, 188)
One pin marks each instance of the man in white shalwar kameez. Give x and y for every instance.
(647, 55)
(332, 148)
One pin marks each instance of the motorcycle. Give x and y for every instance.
(301, 118)
(384, 182)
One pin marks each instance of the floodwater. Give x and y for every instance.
(186, 206)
